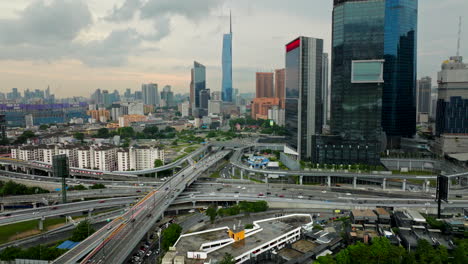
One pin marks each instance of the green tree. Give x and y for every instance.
(78, 188)
(126, 132)
(170, 236)
(328, 259)
(227, 259)
(82, 231)
(10, 253)
(23, 138)
(158, 163)
(211, 134)
(103, 133)
(43, 127)
(97, 186)
(211, 212)
(79, 136)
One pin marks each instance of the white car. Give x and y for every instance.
(324, 191)
(243, 188)
(348, 193)
(300, 197)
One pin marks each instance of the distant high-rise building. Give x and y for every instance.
(128, 94)
(168, 96)
(204, 98)
(216, 95)
(325, 88)
(150, 94)
(227, 65)
(279, 86)
(304, 107)
(106, 98)
(96, 97)
(199, 83)
(424, 97)
(138, 95)
(264, 84)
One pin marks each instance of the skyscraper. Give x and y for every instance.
(304, 107)
(423, 97)
(279, 86)
(227, 65)
(199, 83)
(264, 84)
(399, 92)
(150, 94)
(168, 96)
(452, 107)
(325, 88)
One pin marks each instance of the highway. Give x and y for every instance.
(17, 216)
(71, 195)
(114, 242)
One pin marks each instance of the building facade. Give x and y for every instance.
(303, 85)
(260, 107)
(199, 83)
(226, 84)
(423, 101)
(150, 94)
(264, 84)
(279, 86)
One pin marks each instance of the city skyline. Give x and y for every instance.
(146, 55)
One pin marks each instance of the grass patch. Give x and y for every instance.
(191, 149)
(215, 175)
(180, 157)
(414, 172)
(255, 180)
(8, 231)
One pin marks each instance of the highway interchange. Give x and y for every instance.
(116, 240)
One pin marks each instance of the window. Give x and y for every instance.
(367, 71)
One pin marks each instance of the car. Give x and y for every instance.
(236, 192)
(102, 201)
(348, 193)
(201, 221)
(324, 191)
(238, 187)
(300, 197)
(149, 253)
(54, 208)
(109, 227)
(281, 195)
(268, 193)
(243, 188)
(138, 191)
(284, 189)
(133, 220)
(261, 194)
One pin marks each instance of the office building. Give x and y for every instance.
(168, 96)
(276, 113)
(279, 86)
(325, 89)
(106, 98)
(150, 94)
(215, 107)
(264, 84)
(423, 101)
(399, 48)
(372, 41)
(304, 107)
(115, 112)
(204, 98)
(452, 107)
(185, 109)
(199, 83)
(216, 95)
(227, 65)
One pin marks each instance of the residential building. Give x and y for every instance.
(142, 158)
(123, 160)
(105, 158)
(304, 106)
(185, 111)
(127, 120)
(423, 97)
(71, 152)
(276, 113)
(260, 107)
(115, 112)
(227, 65)
(150, 94)
(101, 115)
(264, 84)
(279, 86)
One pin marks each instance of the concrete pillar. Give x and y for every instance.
(242, 174)
(266, 178)
(193, 204)
(354, 182)
(384, 183)
(423, 186)
(428, 184)
(2, 208)
(233, 171)
(237, 202)
(329, 181)
(403, 187)
(41, 223)
(34, 205)
(90, 212)
(301, 179)
(177, 211)
(410, 165)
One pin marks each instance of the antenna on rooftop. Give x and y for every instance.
(459, 35)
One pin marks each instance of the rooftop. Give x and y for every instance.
(268, 229)
(382, 212)
(363, 213)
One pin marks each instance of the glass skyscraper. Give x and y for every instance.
(227, 66)
(304, 106)
(199, 82)
(399, 93)
(373, 68)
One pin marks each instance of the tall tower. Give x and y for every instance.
(227, 64)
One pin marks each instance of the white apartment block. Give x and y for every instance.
(143, 157)
(71, 152)
(105, 158)
(84, 158)
(123, 160)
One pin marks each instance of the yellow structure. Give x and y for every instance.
(237, 235)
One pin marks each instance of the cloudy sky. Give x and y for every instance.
(77, 46)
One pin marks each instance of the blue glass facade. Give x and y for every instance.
(227, 68)
(452, 116)
(399, 93)
(199, 79)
